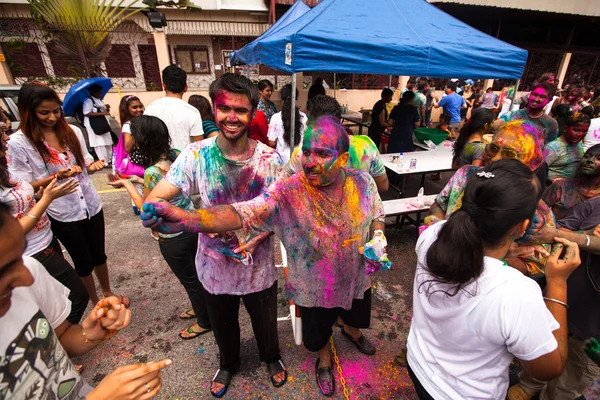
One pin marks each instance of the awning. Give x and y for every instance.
(577, 7)
(206, 28)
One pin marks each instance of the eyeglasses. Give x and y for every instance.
(492, 149)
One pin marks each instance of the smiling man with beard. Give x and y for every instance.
(227, 169)
(323, 215)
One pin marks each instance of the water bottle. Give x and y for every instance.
(401, 161)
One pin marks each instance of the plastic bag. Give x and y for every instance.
(374, 252)
(421, 201)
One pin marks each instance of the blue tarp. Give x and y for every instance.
(387, 37)
(247, 56)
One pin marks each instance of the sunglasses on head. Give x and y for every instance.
(492, 149)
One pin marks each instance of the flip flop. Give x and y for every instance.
(187, 315)
(277, 367)
(192, 332)
(224, 378)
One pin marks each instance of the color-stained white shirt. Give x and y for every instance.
(21, 200)
(182, 120)
(24, 162)
(34, 363)
(202, 169)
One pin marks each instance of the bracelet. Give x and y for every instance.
(32, 216)
(556, 301)
(96, 342)
(588, 240)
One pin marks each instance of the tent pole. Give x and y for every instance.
(334, 83)
(390, 82)
(514, 96)
(293, 115)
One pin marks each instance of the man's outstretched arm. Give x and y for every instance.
(163, 217)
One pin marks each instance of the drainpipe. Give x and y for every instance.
(272, 11)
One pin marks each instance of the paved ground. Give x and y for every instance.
(138, 271)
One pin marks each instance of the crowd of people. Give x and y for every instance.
(511, 241)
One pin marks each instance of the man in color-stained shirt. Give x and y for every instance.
(363, 152)
(323, 216)
(538, 99)
(226, 169)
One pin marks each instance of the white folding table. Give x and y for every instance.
(430, 161)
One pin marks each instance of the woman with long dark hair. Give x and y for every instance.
(472, 314)
(179, 250)
(47, 148)
(469, 147)
(202, 104)
(280, 129)
(41, 243)
(265, 88)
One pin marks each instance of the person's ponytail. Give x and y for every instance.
(457, 255)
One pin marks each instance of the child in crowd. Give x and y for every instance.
(178, 249)
(129, 108)
(469, 148)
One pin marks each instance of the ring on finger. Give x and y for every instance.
(149, 389)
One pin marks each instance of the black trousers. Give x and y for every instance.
(223, 310)
(421, 392)
(180, 254)
(84, 240)
(52, 259)
(317, 322)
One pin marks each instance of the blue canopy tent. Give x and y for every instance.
(246, 55)
(400, 37)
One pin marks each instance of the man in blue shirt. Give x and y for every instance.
(452, 104)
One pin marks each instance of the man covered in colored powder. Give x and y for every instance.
(520, 140)
(539, 97)
(564, 194)
(323, 216)
(564, 154)
(226, 169)
(363, 152)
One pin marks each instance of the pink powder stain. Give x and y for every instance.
(596, 133)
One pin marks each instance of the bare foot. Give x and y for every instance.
(216, 387)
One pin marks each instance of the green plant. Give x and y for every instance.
(81, 29)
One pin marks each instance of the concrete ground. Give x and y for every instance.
(138, 271)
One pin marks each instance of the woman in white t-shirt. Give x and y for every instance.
(279, 134)
(473, 314)
(41, 243)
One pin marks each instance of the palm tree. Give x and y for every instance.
(81, 29)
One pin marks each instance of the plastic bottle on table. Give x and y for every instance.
(401, 161)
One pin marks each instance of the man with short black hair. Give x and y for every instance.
(226, 169)
(421, 99)
(539, 97)
(379, 116)
(452, 103)
(323, 216)
(183, 120)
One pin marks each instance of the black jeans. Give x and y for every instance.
(180, 254)
(223, 310)
(52, 259)
(421, 392)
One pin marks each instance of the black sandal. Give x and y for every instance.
(224, 378)
(324, 377)
(277, 367)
